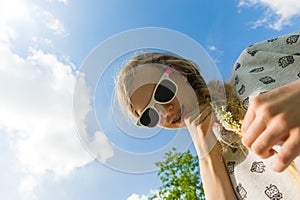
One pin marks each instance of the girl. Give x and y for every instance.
(166, 90)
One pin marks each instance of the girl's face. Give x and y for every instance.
(171, 114)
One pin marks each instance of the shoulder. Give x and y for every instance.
(285, 45)
(266, 65)
(272, 54)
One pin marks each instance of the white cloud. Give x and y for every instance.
(13, 10)
(215, 53)
(278, 13)
(212, 48)
(100, 144)
(42, 41)
(143, 197)
(14, 13)
(37, 113)
(137, 197)
(36, 99)
(53, 23)
(36, 110)
(59, 1)
(28, 184)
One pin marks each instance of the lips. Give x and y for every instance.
(178, 116)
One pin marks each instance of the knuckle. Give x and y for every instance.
(192, 122)
(283, 159)
(266, 110)
(259, 150)
(297, 132)
(282, 119)
(246, 142)
(263, 108)
(257, 101)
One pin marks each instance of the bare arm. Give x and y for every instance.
(216, 182)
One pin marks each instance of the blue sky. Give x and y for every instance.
(43, 43)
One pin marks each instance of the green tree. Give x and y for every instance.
(180, 177)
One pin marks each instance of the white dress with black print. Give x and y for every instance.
(259, 69)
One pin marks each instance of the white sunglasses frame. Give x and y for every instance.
(165, 76)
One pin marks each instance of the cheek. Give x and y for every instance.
(162, 121)
(141, 97)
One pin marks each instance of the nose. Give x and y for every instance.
(165, 109)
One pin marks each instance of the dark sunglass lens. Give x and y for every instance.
(165, 91)
(149, 118)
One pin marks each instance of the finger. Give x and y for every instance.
(204, 116)
(193, 120)
(248, 119)
(200, 123)
(264, 143)
(205, 129)
(289, 151)
(196, 112)
(256, 128)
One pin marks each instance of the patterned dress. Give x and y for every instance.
(260, 68)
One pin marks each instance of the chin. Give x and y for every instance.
(174, 126)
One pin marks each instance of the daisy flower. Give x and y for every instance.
(226, 119)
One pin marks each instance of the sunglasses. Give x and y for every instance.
(164, 92)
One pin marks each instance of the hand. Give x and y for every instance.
(199, 126)
(272, 118)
